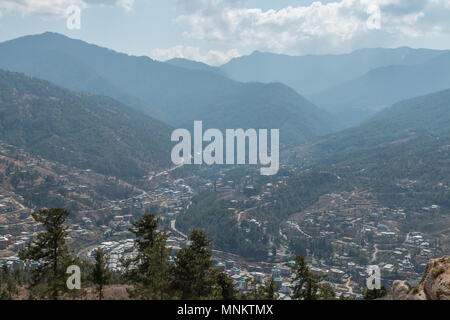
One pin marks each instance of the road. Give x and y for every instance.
(302, 232)
(165, 171)
(347, 285)
(172, 226)
(374, 255)
(84, 251)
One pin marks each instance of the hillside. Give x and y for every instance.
(399, 160)
(270, 106)
(173, 94)
(80, 130)
(359, 98)
(314, 73)
(194, 65)
(402, 153)
(430, 113)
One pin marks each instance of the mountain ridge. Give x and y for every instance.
(172, 94)
(310, 74)
(384, 86)
(81, 130)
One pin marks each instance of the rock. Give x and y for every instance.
(435, 284)
(436, 279)
(402, 291)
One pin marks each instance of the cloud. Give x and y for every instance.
(126, 4)
(317, 27)
(42, 7)
(212, 57)
(56, 7)
(208, 6)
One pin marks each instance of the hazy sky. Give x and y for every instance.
(214, 31)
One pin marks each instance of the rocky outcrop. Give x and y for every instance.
(402, 291)
(435, 284)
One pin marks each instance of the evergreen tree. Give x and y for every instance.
(257, 291)
(312, 287)
(226, 287)
(269, 290)
(145, 230)
(50, 250)
(253, 291)
(307, 285)
(149, 270)
(374, 293)
(326, 292)
(300, 271)
(8, 284)
(192, 271)
(100, 275)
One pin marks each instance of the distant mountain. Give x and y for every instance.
(173, 94)
(352, 86)
(405, 119)
(275, 106)
(401, 157)
(194, 65)
(81, 130)
(379, 88)
(406, 142)
(311, 74)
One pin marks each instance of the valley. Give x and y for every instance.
(97, 143)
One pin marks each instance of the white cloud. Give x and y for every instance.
(212, 57)
(126, 4)
(56, 7)
(43, 7)
(316, 27)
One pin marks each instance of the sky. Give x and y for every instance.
(215, 31)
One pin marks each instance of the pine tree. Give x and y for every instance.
(374, 293)
(300, 271)
(226, 289)
(260, 291)
(306, 285)
(269, 290)
(8, 285)
(158, 272)
(100, 275)
(192, 272)
(312, 287)
(326, 292)
(148, 270)
(51, 251)
(145, 230)
(253, 290)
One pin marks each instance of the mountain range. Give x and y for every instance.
(80, 130)
(177, 92)
(312, 74)
(384, 86)
(408, 143)
(354, 86)
(429, 114)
